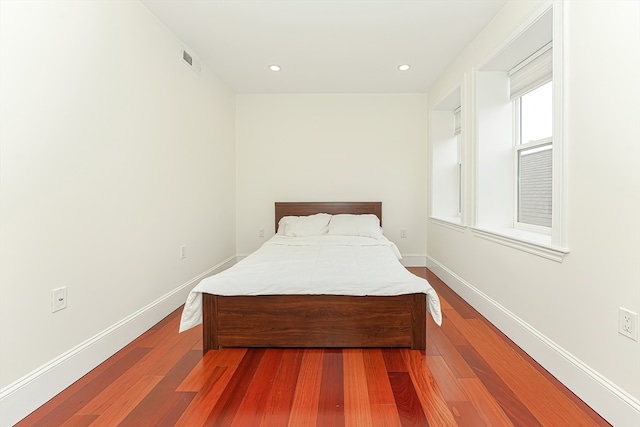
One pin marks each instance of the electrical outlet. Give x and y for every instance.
(261, 233)
(183, 251)
(628, 323)
(403, 233)
(58, 299)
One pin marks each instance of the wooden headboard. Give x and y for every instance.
(334, 208)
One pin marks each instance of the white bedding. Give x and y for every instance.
(317, 265)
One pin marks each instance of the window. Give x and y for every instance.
(457, 130)
(533, 113)
(519, 192)
(446, 159)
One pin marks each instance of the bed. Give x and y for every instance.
(336, 302)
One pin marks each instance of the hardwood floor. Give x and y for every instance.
(470, 375)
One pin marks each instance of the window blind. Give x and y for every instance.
(457, 126)
(532, 72)
(535, 185)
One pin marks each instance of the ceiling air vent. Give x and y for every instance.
(191, 61)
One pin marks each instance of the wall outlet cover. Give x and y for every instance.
(628, 323)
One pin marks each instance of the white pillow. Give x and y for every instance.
(300, 226)
(367, 225)
(282, 224)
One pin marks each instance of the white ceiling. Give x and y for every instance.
(326, 46)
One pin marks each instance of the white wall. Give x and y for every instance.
(570, 307)
(344, 147)
(114, 153)
(444, 165)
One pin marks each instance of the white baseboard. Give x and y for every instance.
(614, 404)
(19, 399)
(412, 260)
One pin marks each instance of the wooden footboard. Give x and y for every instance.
(314, 321)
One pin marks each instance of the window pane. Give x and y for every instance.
(535, 185)
(536, 114)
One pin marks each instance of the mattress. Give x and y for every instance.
(316, 265)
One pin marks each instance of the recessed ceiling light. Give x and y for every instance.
(404, 67)
(274, 67)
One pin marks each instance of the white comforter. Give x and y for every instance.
(319, 265)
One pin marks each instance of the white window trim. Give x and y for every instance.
(459, 175)
(453, 223)
(533, 243)
(559, 234)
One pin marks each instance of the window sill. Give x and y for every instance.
(527, 241)
(453, 222)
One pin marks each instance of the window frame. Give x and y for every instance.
(445, 135)
(519, 146)
(459, 174)
(457, 132)
(555, 246)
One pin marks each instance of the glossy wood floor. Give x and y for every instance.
(470, 375)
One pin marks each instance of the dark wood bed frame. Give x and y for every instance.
(315, 320)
